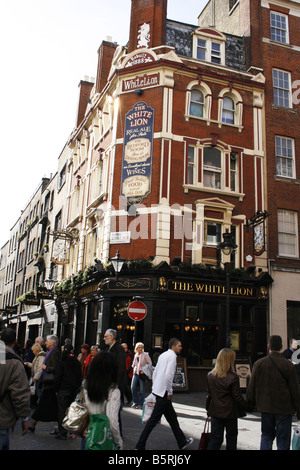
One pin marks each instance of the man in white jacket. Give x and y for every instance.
(162, 388)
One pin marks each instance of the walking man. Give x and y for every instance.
(274, 390)
(14, 389)
(162, 388)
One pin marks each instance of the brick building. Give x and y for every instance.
(168, 155)
(270, 31)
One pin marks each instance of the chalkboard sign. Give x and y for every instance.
(180, 382)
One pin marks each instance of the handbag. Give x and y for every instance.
(144, 377)
(47, 378)
(205, 436)
(77, 416)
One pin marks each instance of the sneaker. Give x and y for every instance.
(188, 442)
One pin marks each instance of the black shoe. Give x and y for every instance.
(188, 442)
(61, 436)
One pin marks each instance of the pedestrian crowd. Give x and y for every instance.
(48, 379)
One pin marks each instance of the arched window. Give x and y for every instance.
(197, 103)
(231, 107)
(228, 112)
(198, 100)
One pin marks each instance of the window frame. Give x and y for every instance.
(281, 15)
(287, 158)
(284, 224)
(228, 180)
(286, 90)
(207, 100)
(215, 37)
(238, 111)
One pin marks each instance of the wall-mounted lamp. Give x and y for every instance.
(117, 263)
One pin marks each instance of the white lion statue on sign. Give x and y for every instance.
(144, 35)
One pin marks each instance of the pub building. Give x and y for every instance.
(173, 134)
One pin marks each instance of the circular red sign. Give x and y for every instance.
(137, 310)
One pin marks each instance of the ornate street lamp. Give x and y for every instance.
(228, 247)
(117, 263)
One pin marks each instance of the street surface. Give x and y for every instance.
(190, 409)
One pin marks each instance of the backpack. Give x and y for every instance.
(99, 435)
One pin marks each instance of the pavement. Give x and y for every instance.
(191, 413)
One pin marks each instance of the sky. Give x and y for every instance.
(47, 47)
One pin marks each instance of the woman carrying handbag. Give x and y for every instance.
(138, 384)
(225, 403)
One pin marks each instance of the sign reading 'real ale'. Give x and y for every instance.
(137, 153)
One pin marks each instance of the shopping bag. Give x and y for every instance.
(99, 436)
(148, 407)
(296, 438)
(205, 436)
(148, 370)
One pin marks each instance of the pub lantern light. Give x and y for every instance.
(117, 263)
(49, 284)
(228, 245)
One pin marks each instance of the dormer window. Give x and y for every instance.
(209, 45)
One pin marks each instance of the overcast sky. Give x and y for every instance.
(47, 47)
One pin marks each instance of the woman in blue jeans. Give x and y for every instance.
(225, 403)
(138, 386)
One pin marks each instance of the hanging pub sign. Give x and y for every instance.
(137, 153)
(61, 247)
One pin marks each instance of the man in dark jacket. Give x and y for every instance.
(14, 389)
(110, 339)
(274, 390)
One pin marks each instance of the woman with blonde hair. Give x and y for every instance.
(36, 367)
(141, 359)
(225, 403)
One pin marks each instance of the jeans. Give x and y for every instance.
(218, 425)
(4, 439)
(163, 406)
(137, 397)
(279, 426)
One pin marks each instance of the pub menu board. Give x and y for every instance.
(180, 382)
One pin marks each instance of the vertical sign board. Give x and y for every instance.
(137, 153)
(180, 383)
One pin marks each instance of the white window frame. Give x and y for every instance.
(288, 228)
(207, 47)
(281, 87)
(238, 110)
(196, 162)
(216, 172)
(199, 104)
(285, 156)
(191, 165)
(213, 240)
(207, 100)
(278, 30)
